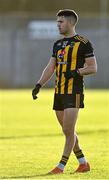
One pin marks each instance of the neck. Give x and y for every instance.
(70, 34)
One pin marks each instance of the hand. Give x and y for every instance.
(71, 74)
(36, 90)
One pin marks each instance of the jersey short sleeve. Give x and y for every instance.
(54, 51)
(88, 50)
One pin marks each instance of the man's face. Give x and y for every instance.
(63, 25)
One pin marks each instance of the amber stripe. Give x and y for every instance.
(78, 154)
(77, 100)
(73, 66)
(64, 66)
(81, 39)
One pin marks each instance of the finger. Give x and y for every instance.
(35, 97)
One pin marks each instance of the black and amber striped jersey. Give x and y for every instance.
(70, 54)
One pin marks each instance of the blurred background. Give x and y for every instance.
(28, 31)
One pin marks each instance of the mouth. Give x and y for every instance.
(59, 29)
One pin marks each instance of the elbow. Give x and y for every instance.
(94, 69)
(52, 71)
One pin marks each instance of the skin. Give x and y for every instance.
(60, 115)
(68, 117)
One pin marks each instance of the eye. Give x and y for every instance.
(59, 21)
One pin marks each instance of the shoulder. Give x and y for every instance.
(82, 39)
(58, 42)
(85, 43)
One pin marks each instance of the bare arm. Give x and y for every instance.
(90, 66)
(47, 72)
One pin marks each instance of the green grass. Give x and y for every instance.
(31, 140)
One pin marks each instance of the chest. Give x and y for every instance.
(68, 52)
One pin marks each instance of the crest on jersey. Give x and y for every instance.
(61, 55)
(64, 44)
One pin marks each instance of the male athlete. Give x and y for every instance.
(72, 58)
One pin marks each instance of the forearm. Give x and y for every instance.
(46, 75)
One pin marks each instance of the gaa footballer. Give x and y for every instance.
(72, 58)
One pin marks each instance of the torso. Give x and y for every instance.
(70, 54)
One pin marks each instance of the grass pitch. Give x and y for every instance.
(31, 140)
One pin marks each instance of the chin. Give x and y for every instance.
(62, 33)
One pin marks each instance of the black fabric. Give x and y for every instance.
(62, 102)
(79, 154)
(64, 160)
(64, 56)
(36, 90)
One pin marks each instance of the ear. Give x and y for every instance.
(70, 20)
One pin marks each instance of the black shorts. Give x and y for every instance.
(62, 101)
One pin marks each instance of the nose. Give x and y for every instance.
(58, 24)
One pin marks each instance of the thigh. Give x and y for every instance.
(59, 115)
(70, 118)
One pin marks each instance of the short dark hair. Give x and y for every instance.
(68, 13)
